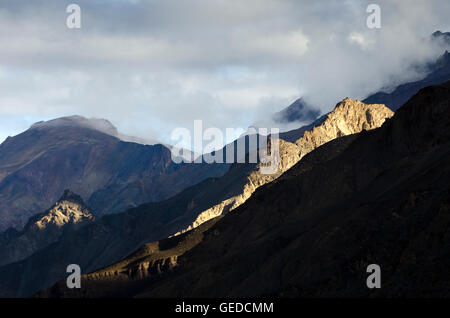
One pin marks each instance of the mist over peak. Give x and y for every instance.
(99, 124)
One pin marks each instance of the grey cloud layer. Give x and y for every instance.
(151, 66)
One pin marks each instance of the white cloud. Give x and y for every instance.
(364, 42)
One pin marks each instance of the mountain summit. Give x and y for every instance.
(101, 125)
(298, 111)
(70, 209)
(67, 214)
(82, 155)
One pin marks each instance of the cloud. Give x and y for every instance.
(362, 41)
(151, 66)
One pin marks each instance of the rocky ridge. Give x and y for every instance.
(348, 117)
(69, 213)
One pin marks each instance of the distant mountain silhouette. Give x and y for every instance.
(298, 111)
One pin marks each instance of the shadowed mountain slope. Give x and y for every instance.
(379, 197)
(348, 117)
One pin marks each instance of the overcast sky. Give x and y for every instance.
(151, 66)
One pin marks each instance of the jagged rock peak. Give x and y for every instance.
(348, 117)
(70, 208)
(99, 124)
(356, 113)
(358, 108)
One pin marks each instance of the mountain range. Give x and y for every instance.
(113, 237)
(359, 185)
(86, 157)
(377, 197)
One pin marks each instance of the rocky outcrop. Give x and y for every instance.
(348, 117)
(70, 209)
(67, 214)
